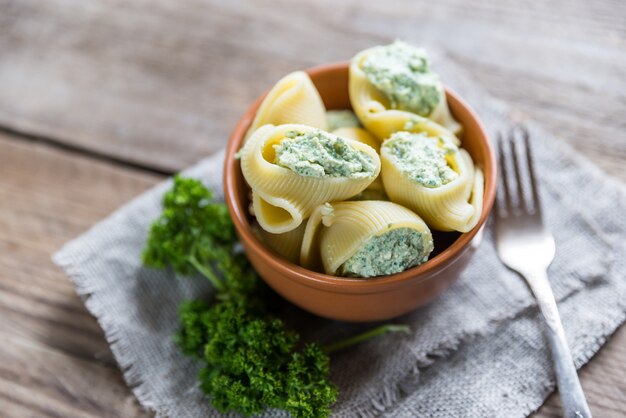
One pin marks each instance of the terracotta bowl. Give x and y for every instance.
(360, 299)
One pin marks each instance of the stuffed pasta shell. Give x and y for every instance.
(292, 169)
(294, 99)
(393, 89)
(434, 178)
(365, 239)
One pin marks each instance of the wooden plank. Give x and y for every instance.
(49, 383)
(54, 360)
(162, 84)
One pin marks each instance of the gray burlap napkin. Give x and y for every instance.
(476, 351)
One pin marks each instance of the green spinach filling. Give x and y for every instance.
(319, 154)
(422, 158)
(391, 252)
(401, 72)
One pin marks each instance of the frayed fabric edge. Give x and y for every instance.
(394, 390)
(390, 392)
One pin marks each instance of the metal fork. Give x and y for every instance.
(526, 246)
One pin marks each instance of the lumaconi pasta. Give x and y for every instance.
(288, 244)
(382, 117)
(374, 191)
(434, 178)
(294, 99)
(286, 186)
(365, 239)
(476, 199)
(355, 193)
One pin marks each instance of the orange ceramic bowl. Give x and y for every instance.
(360, 299)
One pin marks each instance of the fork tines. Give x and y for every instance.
(518, 190)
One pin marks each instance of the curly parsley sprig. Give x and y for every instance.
(250, 361)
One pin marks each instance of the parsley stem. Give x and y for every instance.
(206, 272)
(357, 339)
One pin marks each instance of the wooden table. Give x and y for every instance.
(99, 100)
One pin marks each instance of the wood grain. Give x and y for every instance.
(108, 76)
(161, 84)
(54, 361)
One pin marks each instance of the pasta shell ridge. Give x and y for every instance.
(310, 250)
(293, 99)
(288, 244)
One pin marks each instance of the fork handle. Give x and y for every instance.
(572, 396)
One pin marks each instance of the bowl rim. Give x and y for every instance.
(318, 280)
